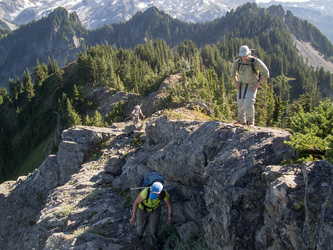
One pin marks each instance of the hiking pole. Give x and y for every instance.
(137, 188)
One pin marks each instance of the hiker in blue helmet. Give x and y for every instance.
(148, 202)
(248, 73)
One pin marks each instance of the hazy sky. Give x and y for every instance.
(284, 1)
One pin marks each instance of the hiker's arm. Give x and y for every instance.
(261, 80)
(142, 114)
(258, 85)
(235, 81)
(138, 200)
(263, 70)
(170, 209)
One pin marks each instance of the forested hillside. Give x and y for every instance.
(56, 36)
(3, 33)
(49, 96)
(61, 35)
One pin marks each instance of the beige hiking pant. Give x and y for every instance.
(245, 101)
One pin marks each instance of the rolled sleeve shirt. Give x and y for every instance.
(246, 74)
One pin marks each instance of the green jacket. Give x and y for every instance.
(149, 203)
(246, 74)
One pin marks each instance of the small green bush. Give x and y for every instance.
(312, 133)
(63, 211)
(170, 239)
(94, 194)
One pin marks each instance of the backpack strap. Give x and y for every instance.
(160, 197)
(254, 70)
(251, 63)
(239, 63)
(148, 194)
(143, 204)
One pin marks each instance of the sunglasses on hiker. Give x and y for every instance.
(157, 193)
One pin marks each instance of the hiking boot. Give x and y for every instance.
(239, 123)
(251, 125)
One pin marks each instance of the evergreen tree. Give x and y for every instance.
(116, 115)
(50, 70)
(55, 67)
(119, 84)
(92, 70)
(3, 95)
(28, 86)
(312, 132)
(279, 107)
(13, 90)
(76, 94)
(87, 121)
(264, 98)
(97, 120)
(20, 89)
(39, 75)
(303, 102)
(270, 107)
(74, 118)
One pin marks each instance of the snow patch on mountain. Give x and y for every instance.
(96, 13)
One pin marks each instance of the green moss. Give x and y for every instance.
(170, 239)
(96, 231)
(92, 214)
(95, 155)
(107, 186)
(297, 206)
(94, 194)
(137, 141)
(63, 211)
(80, 231)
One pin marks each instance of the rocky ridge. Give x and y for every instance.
(225, 182)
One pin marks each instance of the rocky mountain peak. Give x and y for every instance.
(277, 10)
(225, 182)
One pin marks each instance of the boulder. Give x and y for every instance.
(226, 182)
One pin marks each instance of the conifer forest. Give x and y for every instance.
(295, 97)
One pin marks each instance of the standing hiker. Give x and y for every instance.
(136, 114)
(248, 73)
(148, 202)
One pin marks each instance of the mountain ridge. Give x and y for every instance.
(142, 69)
(96, 14)
(230, 189)
(122, 35)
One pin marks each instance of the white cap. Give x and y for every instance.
(244, 51)
(156, 189)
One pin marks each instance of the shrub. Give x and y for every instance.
(312, 132)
